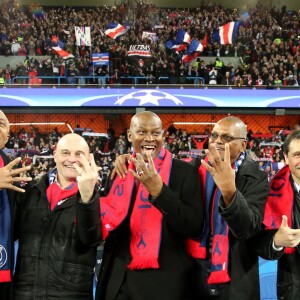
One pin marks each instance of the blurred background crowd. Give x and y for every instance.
(267, 45)
(36, 149)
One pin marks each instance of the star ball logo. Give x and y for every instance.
(3, 256)
(152, 97)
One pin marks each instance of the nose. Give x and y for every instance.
(149, 137)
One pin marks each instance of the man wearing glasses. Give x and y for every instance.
(235, 195)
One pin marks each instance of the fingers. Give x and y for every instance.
(284, 222)
(121, 165)
(13, 163)
(18, 171)
(227, 153)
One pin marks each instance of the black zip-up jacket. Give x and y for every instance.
(57, 249)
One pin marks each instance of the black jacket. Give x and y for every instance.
(57, 249)
(180, 204)
(244, 217)
(288, 266)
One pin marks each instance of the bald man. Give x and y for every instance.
(9, 179)
(157, 207)
(58, 227)
(235, 195)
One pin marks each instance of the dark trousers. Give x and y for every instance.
(5, 291)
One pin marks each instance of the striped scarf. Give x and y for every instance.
(5, 235)
(145, 220)
(280, 202)
(214, 225)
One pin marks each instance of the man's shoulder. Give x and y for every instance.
(250, 167)
(183, 165)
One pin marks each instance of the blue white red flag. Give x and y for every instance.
(115, 30)
(100, 59)
(183, 37)
(173, 46)
(186, 58)
(149, 36)
(83, 36)
(195, 46)
(226, 33)
(62, 53)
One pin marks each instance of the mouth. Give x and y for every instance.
(70, 167)
(220, 149)
(148, 149)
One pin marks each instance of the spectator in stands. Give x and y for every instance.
(9, 178)
(281, 238)
(141, 258)
(57, 224)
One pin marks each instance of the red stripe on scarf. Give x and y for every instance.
(280, 202)
(145, 221)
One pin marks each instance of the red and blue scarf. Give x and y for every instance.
(280, 202)
(214, 224)
(5, 235)
(145, 220)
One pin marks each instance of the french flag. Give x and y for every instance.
(62, 53)
(173, 46)
(183, 37)
(195, 46)
(115, 30)
(226, 33)
(186, 58)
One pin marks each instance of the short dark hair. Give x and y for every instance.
(294, 135)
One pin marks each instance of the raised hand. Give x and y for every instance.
(120, 166)
(147, 174)
(87, 178)
(221, 171)
(286, 236)
(8, 176)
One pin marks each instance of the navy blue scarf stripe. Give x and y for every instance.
(5, 234)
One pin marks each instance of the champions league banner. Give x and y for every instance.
(149, 97)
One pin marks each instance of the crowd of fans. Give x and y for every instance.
(267, 43)
(36, 149)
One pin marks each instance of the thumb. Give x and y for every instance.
(284, 222)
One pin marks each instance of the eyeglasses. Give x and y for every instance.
(225, 138)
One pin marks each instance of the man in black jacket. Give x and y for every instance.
(235, 193)
(9, 176)
(147, 218)
(58, 227)
(281, 238)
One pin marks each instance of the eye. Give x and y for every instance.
(227, 137)
(214, 135)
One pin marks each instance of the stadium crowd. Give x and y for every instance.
(36, 149)
(267, 44)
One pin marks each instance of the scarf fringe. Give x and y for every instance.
(218, 277)
(144, 263)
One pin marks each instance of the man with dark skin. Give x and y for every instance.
(236, 192)
(158, 211)
(9, 179)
